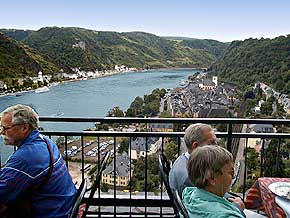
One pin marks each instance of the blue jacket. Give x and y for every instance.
(28, 167)
(178, 174)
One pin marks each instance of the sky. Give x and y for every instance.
(223, 20)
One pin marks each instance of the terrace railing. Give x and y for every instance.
(152, 200)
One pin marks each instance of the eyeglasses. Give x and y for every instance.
(6, 128)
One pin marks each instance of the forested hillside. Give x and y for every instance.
(76, 47)
(18, 60)
(252, 60)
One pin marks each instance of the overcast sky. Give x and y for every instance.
(223, 20)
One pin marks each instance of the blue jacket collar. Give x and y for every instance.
(33, 135)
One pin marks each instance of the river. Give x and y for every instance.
(93, 97)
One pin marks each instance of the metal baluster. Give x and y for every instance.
(230, 137)
(146, 173)
(178, 145)
(130, 170)
(83, 158)
(245, 169)
(99, 162)
(262, 158)
(278, 155)
(161, 181)
(65, 144)
(115, 194)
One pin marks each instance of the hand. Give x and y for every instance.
(238, 201)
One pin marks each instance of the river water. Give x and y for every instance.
(93, 97)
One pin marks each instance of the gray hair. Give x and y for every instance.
(22, 114)
(195, 133)
(205, 161)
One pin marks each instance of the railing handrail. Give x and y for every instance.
(165, 120)
(161, 134)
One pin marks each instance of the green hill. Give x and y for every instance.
(105, 49)
(252, 60)
(16, 34)
(18, 60)
(212, 46)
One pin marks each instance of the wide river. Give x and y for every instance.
(94, 97)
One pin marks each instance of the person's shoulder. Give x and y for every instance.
(180, 160)
(18, 160)
(188, 192)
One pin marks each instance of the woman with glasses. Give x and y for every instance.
(210, 169)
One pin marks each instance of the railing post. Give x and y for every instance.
(178, 145)
(115, 175)
(83, 158)
(245, 169)
(65, 144)
(161, 181)
(278, 156)
(230, 137)
(130, 169)
(262, 158)
(99, 187)
(146, 172)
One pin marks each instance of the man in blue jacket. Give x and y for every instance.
(36, 168)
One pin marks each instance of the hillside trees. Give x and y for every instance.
(265, 60)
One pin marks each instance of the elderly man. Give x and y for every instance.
(36, 170)
(195, 135)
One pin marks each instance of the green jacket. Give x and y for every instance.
(203, 204)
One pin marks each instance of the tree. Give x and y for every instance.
(27, 83)
(103, 126)
(130, 113)
(104, 187)
(222, 127)
(153, 182)
(153, 177)
(34, 86)
(252, 159)
(124, 145)
(139, 168)
(171, 150)
(159, 93)
(150, 98)
(165, 114)
(266, 107)
(151, 108)
(152, 162)
(115, 112)
(135, 108)
(273, 165)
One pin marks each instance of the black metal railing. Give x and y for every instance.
(146, 204)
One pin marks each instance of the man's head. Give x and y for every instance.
(17, 122)
(198, 135)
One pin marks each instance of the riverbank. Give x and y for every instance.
(105, 74)
(100, 75)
